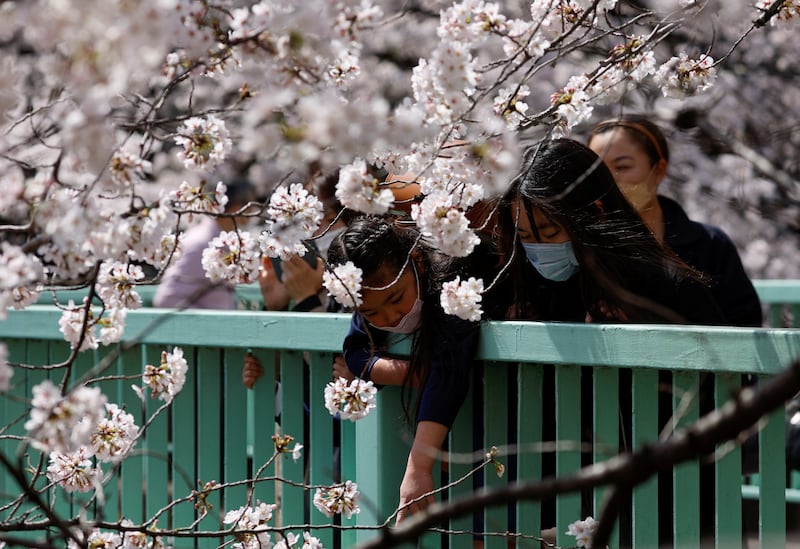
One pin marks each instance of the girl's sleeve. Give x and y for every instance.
(449, 377)
(357, 349)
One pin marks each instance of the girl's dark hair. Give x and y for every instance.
(570, 185)
(373, 243)
(642, 131)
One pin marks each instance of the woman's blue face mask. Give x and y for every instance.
(555, 262)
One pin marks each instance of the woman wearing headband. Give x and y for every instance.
(637, 153)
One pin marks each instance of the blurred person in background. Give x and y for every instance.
(637, 153)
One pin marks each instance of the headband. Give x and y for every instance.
(635, 126)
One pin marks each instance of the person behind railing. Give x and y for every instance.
(184, 283)
(637, 153)
(578, 251)
(401, 282)
(296, 283)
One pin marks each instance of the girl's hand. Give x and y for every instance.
(418, 478)
(415, 484)
(340, 369)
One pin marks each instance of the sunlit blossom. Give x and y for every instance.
(232, 258)
(360, 190)
(74, 471)
(338, 499)
(463, 298)
(63, 423)
(351, 400)
(166, 380)
(344, 284)
(205, 141)
(114, 435)
(682, 77)
(254, 519)
(116, 285)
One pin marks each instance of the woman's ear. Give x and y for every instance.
(660, 170)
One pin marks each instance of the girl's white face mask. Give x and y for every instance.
(412, 320)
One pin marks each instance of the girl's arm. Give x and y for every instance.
(418, 478)
(385, 371)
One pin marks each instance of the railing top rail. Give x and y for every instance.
(778, 291)
(751, 350)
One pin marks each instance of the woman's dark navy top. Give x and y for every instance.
(708, 249)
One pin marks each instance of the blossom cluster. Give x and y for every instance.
(583, 530)
(351, 400)
(129, 539)
(295, 215)
(254, 520)
(205, 141)
(232, 258)
(462, 298)
(166, 380)
(71, 428)
(338, 499)
(343, 282)
(64, 422)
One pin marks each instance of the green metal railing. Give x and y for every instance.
(218, 430)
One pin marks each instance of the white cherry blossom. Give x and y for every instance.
(338, 499)
(74, 471)
(343, 282)
(462, 298)
(351, 400)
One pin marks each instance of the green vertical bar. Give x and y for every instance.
(605, 416)
(262, 400)
(107, 506)
(234, 459)
(318, 450)
(772, 499)
(68, 505)
(686, 477)
(184, 437)
(529, 432)
(568, 431)
(155, 445)
(292, 414)
(461, 444)
(13, 409)
(349, 454)
(381, 453)
(728, 478)
(796, 315)
(209, 370)
(776, 315)
(645, 429)
(38, 355)
(130, 477)
(114, 390)
(495, 427)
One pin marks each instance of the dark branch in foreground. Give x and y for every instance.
(625, 471)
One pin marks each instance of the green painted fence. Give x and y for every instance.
(540, 382)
